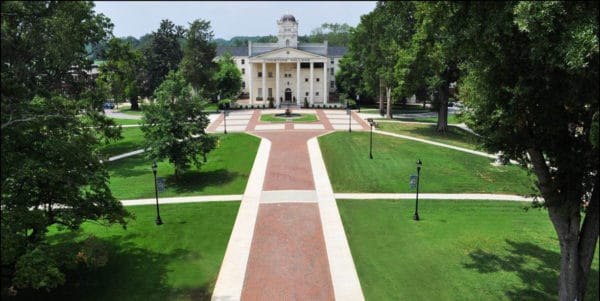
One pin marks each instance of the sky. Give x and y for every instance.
(229, 18)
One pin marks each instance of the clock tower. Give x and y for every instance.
(288, 32)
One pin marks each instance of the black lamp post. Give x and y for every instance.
(357, 102)
(158, 220)
(371, 123)
(416, 216)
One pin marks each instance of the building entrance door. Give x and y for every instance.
(288, 94)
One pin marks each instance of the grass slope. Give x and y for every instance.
(178, 260)
(444, 170)
(133, 139)
(460, 250)
(226, 172)
(455, 136)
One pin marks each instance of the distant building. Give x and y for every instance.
(287, 71)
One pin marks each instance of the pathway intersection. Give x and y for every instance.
(288, 241)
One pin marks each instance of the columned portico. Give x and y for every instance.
(277, 99)
(251, 92)
(298, 92)
(264, 81)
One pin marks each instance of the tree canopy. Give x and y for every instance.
(51, 129)
(174, 126)
(197, 65)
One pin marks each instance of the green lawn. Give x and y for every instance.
(178, 260)
(303, 118)
(452, 119)
(346, 156)
(127, 121)
(226, 172)
(455, 136)
(460, 250)
(133, 139)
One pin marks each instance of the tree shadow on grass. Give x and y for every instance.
(537, 268)
(126, 167)
(193, 180)
(132, 273)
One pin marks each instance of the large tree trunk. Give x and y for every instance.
(134, 104)
(576, 246)
(442, 122)
(388, 96)
(380, 98)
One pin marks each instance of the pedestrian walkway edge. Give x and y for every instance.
(230, 281)
(346, 285)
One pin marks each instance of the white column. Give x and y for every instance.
(264, 81)
(312, 79)
(250, 82)
(325, 93)
(277, 83)
(299, 96)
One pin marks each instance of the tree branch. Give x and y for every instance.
(10, 122)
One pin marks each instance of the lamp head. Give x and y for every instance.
(419, 163)
(154, 167)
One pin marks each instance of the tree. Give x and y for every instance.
(120, 71)
(50, 164)
(335, 34)
(162, 54)
(228, 80)
(531, 89)
(197, 65)
(431, 59)
(174, 127)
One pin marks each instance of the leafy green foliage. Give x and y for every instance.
(174, 127)
(531, 90)
(120, 71)
(51, 130)
(228, 79)
(162, 53)
(197, 64)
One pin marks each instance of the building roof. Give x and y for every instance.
(332, 51)
(288, 18)
(235, 51)
(336, 50)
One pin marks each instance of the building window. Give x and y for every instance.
(243, 71)
(259, 74)
(306, 79)
(331, 72)
(316, 93)
(270, 92)
(317, 79)
(332, 84)
(331, 62)
(270, 74)
(259, 92)
(244, 61)
(243, 85)
(306, 93)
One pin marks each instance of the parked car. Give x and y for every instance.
(450, 104)
(108, 105)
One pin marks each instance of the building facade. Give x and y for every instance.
(287, 71)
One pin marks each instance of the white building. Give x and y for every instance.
(287, 71)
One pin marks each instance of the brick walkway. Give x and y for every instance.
(288, 260)
(288, 240)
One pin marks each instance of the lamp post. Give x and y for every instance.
(416, 216)
(225, 113)
(371, 123)
(357, 102)
(158, 220)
